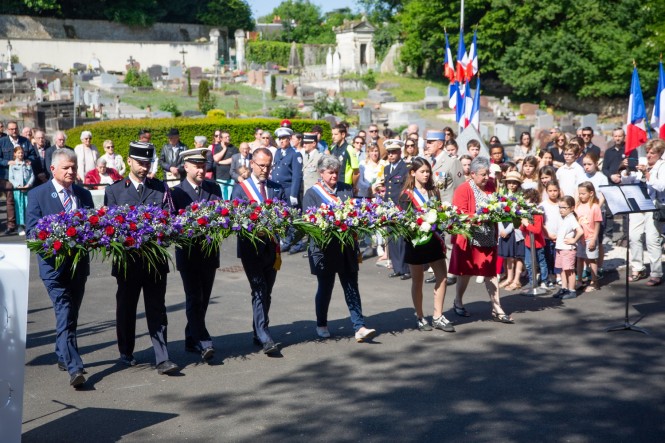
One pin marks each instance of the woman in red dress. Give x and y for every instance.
(476, 256)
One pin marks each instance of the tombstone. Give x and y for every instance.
(175, 73)
(434, 98)
(39, 94)
(433, 92)
(155, 72)
(329, 63)
(240, 47)
(544, 121)
(195, 72)
(87, 98)
(57, 86)
(365, 115)
(251, 77)
(279, 83)
(484, 102)
(502, 132)
(522, 128)
(336, 64)
(174, 62)
(19, 69)
(590, 120)
(254, 66)
(529, 108)
(94, 98)
(290, 90)
(107, 79)
(330, 119)
(348, 103)
(79, 67)
(260, 78)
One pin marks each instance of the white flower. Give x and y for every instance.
(425, 227)
(431, 216)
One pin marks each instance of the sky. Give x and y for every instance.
(264, 7)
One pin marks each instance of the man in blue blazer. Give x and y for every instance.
(138, 189)
(259, 259)
(197, 270)
(65, 287)
(395, 173)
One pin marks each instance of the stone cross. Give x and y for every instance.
(183, 52)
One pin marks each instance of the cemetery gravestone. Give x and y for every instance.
(529, 108)
(195, 72)
(544, 121)
(175, 73)
(590, 120)
(155, 72)
(502, 132)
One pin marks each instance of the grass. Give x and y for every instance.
(408, 89)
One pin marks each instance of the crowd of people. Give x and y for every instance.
(564, 178)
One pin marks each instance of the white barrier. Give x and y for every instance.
(14, 276)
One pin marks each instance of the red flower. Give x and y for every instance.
(224, 212)
(383, 218)
(57, 245)
(506, 208)
(165, 213)
(43, 235)
(119, 218)
(101, 211)
(337, 223)
(486, 211)
(71, 231)
(129, 241)
(147, 216)
(132, 226)
(257, 210)
(163, 221)
(235, 202)
(132, 207)
(419, 221)
(202, 221)
(161, 236)
(285, 213)
(78, 214)
(268, 201)
(253, 217)
(93, 219)
(181, 211)
(312, 219)
(194, 206)
(109, 230)
(343, 227)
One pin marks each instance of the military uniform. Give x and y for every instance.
(394, 176)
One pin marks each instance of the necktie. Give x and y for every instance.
(139, 189)
(68, 204)
(197, 189)
(262, 188)
(392, 168)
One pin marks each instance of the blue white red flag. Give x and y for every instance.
(474, 118)
(636, 132)
(459, 111)
(472, 64)
(448, 64)
(462, 58)
(658, 115)
(468, 105)
(452, 95)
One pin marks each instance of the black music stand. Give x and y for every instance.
(627, 199)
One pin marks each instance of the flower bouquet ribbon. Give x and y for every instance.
(205, 224)
(432, 217)
(347, 221)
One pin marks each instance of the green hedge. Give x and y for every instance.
(263, 51)
(122, 132)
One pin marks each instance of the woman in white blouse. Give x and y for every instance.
(371, 171)
(113, 160)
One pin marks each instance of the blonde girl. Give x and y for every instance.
(589, 217)
(567, 236)
(530, 172)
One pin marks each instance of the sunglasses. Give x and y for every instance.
(373, 130)
(409, 145)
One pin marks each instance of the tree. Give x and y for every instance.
(207, 101)
(233, 14)
(301, 21)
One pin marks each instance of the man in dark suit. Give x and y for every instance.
(287, 171)
(137, 189)
(65, 288)
(169, 158)
(242, 158)
(395, 174)
(589, 147)
(259, 260)
(196, 269)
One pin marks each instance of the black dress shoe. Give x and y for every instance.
(406, 276)
(451, 281)
(167, 367)
(193, 349)
(271, 348)
(207, 353)
(432, 279)
(127, 360)
(395, 274)
(77, 379)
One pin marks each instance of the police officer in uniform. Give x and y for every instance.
(287, 171)
(260, 260)
(137, 189)
(448, 174)
(395, 174)
(196, 268)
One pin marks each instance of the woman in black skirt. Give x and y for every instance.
(418, 190)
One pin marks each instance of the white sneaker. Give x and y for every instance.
(364, 334)
(480, 279)
(322, 331)
(21, 231)
(543, 285)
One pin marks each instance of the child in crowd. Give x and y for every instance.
(567, 237)
(21, 178)
(570, 173)
(511, 240)
(589, 217)
(530, 172)
(546, 158)
(546, 174)
(553, 219)
(534, 226)
(244, 172)
(590, 165)
(466, 165)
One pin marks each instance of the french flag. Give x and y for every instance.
(468, 105)
(453, 92)
(472, 65)
(474, 117)
(636, 132)
(462, 57)
(459, 111)
(658, 115)
(448, 64)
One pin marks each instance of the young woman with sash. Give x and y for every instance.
(334, 259)
(418, 189)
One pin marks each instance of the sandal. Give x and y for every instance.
(636, 276)
(502, 318)
(653, 281)
(462, 312)
(592, 288)
(513, 286)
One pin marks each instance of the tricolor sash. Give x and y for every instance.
(251, 190)
(417, 198)
(326, 196)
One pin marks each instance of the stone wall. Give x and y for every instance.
(25, 27)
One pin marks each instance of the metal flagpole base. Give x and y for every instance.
(532, 292)
(627, 326)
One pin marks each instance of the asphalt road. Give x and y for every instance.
(555, 375)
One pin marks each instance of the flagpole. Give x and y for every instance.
(461, 15)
